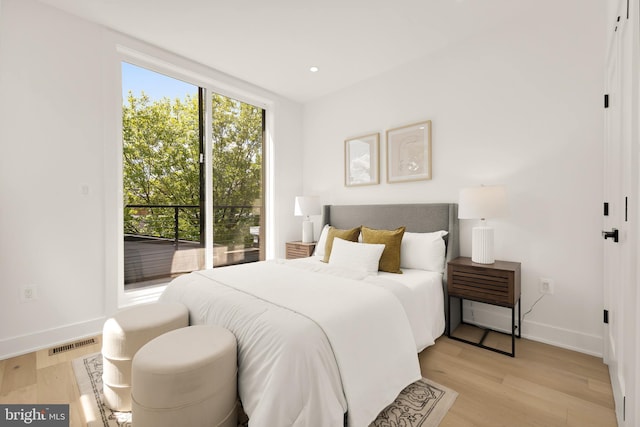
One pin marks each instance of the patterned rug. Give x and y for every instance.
(422, 404)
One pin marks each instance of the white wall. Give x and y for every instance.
(57, 135)
(520, 105)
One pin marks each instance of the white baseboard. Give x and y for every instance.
(23, 344)
(500, 320)
(16, 346)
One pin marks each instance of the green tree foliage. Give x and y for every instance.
(161, 166)
(237, 168)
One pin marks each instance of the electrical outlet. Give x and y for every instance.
(28, 293)
(546, 286)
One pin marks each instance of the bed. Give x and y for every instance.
(320, 344)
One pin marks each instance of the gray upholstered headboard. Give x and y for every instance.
(417, 218)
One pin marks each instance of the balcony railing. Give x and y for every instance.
(156, 224)
(162, 241)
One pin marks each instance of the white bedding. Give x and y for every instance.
(426, 314)
(421, 296)
(314, 342)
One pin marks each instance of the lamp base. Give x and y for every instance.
(482, 245)
(307, 231)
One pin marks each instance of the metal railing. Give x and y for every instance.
(233, 224)
(158, 221)
(163, 240)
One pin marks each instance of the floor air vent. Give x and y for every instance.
(71, 346)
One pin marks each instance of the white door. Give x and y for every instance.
(619, 263)
(612, 211)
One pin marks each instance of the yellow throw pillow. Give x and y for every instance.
(350, 235)
(392, 239)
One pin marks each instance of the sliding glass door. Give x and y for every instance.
(238, 202)
(164, 155)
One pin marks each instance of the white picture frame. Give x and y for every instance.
(362, 160)
(409, 153)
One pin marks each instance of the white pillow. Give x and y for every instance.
(322, 241)
(423, 251)
(356, 256)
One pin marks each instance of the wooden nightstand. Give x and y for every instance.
(496, 284)
(300, 250)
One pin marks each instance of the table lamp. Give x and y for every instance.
(481, 203)
(305, 206)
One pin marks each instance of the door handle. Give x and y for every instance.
(613, 234)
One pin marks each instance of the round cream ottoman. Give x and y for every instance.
(186, 377)
(123, 335)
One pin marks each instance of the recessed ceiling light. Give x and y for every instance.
(314, 69)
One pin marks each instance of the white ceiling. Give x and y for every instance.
(272, 43)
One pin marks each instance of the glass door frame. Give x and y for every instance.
(207, 86)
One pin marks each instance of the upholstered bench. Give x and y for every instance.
(123, 335)
(186, 377)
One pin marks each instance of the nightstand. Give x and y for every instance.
(496, 284)
(300, 249)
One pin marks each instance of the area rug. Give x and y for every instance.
(422, 404)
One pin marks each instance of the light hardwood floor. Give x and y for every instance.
(39, 378)
(542, 386)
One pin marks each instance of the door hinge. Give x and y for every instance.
(606, 316)
(606, 100)
(606, 209)
(201, 158)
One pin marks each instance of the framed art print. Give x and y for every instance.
(361, 160)
(409, 153)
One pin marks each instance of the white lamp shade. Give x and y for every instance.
(482, 202)
(305, 206)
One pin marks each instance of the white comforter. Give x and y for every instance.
(313, 342)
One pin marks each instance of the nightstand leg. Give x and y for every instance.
(513, 332)
(449, 316)
(519, 319)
